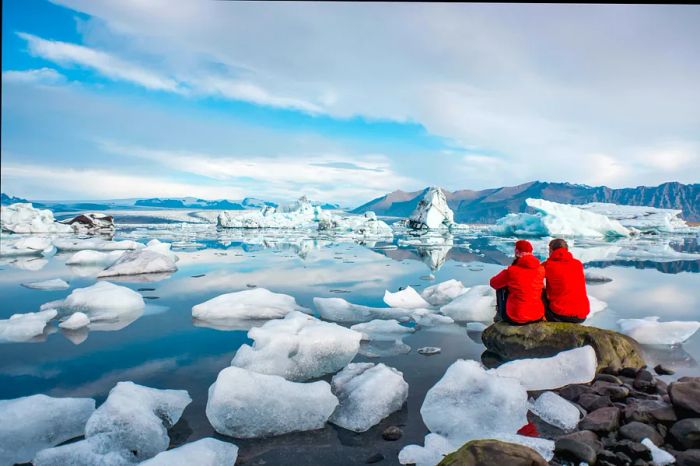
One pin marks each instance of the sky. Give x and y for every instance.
(342, 102)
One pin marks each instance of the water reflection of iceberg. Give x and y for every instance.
(229, 324)
(381, 349)
(115, 322)
(674, 357)
(139, 278)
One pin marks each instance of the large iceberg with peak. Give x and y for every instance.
(641, 218)
(649, 331)
(246, 404)
(301, 214)
(254, 304)
(555, 219)
(22, 217)
(432, 212)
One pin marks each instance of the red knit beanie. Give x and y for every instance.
(523, 246)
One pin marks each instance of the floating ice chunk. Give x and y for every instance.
(246, 404)
(366, 225)
(101, 301)
(596, 277)
(25, 246)
(556, 411)
(340, 310)
(95, 450)
(161, 248)
(24, 327)
(383, 349)
(641, 218)
(24, 218)
(204, 452)
(299, 215)
(443, 293)
(596, 305)
(32, 423)
(143, 261)
(408, 298)
(649, 331)
(95, 244)
(573, 366)
(75, 321)
(257, 303)
(54, 284)
(367, 394)
(476, 304)
(432, 212)
(659, 457)
(89, 257)
(430, 318)
(386, 330)
(298, 347)
(429, 350)
(435, 449)
(554, 219)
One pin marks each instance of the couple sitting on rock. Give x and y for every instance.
(522, 297)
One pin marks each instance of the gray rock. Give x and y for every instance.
(650, 411)
(614, 391)
(688, 458)
(567, 448)
(588, 437)
(591, 401)
(392, 433)
(685, 395)
(601, 420)
(663, 370)
(637, 431)
(574, 391)
(608, 378)
(686, 433)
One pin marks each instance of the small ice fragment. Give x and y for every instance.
(476, 327)
(408, 298)
(141, 261)
(75, 321)
(90, 257)
(596, 305)
(659, 457)
(95, 244)
(24, 327)
(340, 310)
(101, 301)
(429, 350)
(649, 331)
(593, 277)
(430, 318)
(378, 329)
(556, 411)
(48, 285)
(204, 452)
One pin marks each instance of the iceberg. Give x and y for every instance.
(476, 304)
(90, 257)
(298, 215)
(443, 293)
(33, 423)
(430, 318)
(48, 285)
(367, 393)
(408, 298)
(649, 331)
(245, 404)
(554, 219)
(161, 248)
(24, 218)
(573, 366)
(254, 304)
(25, 246)
(432, 212)
(641, 218)
(75, 321)
(340, 310)
(555, 410)
(95, 244)
(435, 449)
(366, 226)
(383, 348)
(91, 223)
(204, 452)
(142, 261)
(24, 327)
(101, 301)
(385, 330)
(298, 347)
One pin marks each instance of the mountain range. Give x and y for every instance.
(488, 205)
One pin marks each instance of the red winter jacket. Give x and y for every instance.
(525, 281)
(566, 285)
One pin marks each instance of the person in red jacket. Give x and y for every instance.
(567, 300)
(519, 288)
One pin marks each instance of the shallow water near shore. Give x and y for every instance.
(164, 348)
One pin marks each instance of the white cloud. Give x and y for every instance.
(38, 76)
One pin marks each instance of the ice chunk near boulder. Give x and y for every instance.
(430, 318)
(593, 277)
(95, 244)
(75, 321)
(408, 298)
(555, 410)
(649, 331)
(24, 218)
(204, 452)
(24, 327)
(101, 301)
(573, 366)
(476, 304)
(26, 246)
(386, 330)
(366, 225)
(48, 285)
(596, 305)
(432, 212)
(443, 293)
(91, 223)
(367, 394)
(340, 310)
(90, 257)
(298, 347)
(435, 449)
(143, 261)
(32, 423)
(257, 303)
(658, 456)
(476, 327)
(246, 404)
(640, 218)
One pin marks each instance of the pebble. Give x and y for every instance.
(663, 370)
(392, 433)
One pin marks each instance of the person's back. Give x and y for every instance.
(567, 300)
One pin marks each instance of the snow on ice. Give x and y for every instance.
(649, 331)
(641, 218)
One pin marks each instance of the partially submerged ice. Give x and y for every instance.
(47, 285)
(257, 303)
(475, 304)
(408, 298)
(141, 261)
(641, 218)
(443, 293)
(432, 212)
(340, 310)
(386, 330)
(24, 218)
(101, 301)
(555, 410)
(90, 257)
(554, 219)
(95, 244)
(205, 452)
(649, 331)
(33, 423)
(24, 327)
(300, 214)
(298, 347)
(75, 321)
(367, 394)
(573, 366)
(24, 246)
(366, 226)
(246, 404)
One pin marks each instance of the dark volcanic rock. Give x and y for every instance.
(570, 449)
(644, 381)
(574, 391)
(663, 370)
(591, 401)
(637, 431)
(687, 433)
(545, 339)
(649, 411)
(392, 433)
(588, 437)
(685, 395)
(601, 420)
(688, 458)
(493, 452)
(614, 391)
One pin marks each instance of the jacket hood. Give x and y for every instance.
(528, 262)
(561, 254)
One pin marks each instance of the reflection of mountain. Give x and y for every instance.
(434, 256)
(664, 267)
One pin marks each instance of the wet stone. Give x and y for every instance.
(685, 395)
(663, 370)
(615, 392)
(567, 448)
(588, 437)
(392, 433)
(638, 431)
(574, 391)
(686, 433)
(591, 402)
(601, 420)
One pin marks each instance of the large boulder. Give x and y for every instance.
(490, 452)
(545, 339)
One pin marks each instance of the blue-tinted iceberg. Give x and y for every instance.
(649, 331)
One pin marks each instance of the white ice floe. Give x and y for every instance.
(245, 404)
(556, 411)
(641, 218)
(386, 330)
(47, 285)
(90, 257)
(408, 298)
(24, 218)
(298, 215)
(11, 245)
(429, 350)
(75, 321)
(340, 310)
(298, 347)
(658, 456)
(161, 248)
(573, 366)
(476, 304)
(429, 318)
(91, 223)
(24, 327)
(32, 423)
(554, 219)
(204, 452)
(596, 305)
(131, 425)
(142, 261)
(367, 394)
(443, 293)
(95, 244)
(649, 331)
(101, 301)
(432, 212)
(366, 226)
(594, 277)
(257, 303)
